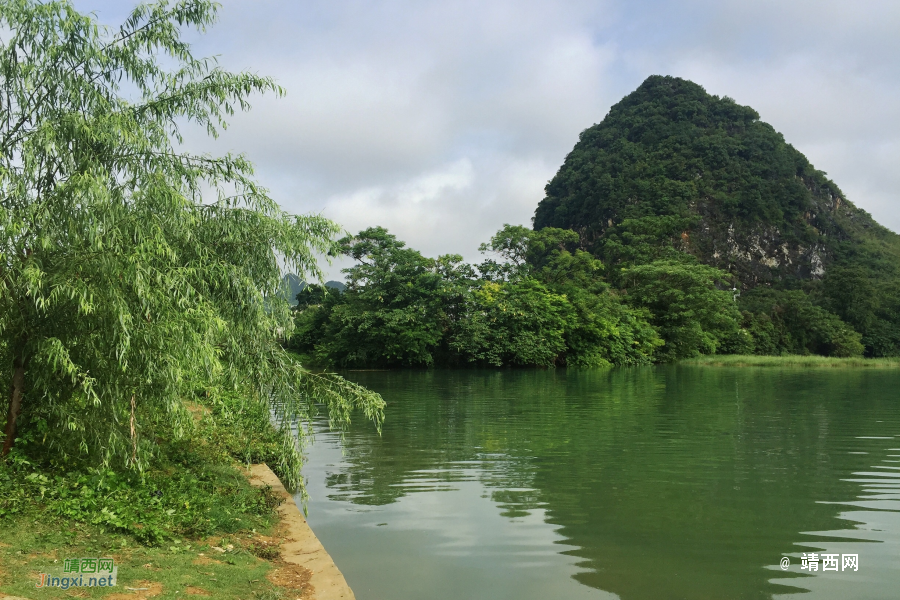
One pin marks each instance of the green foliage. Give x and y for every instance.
(669, 147)
(240, 428)
(791, 360)
(642, 240)
(787, 322)
(603, 330)
(607, 331)
(674, 198)
(524, 251)
(868, 303)
(395, 310)
(520, 323)
(123, 290)
(673, 172)
(693, 317)
(312, 295)
(192, 490)
(543, 303)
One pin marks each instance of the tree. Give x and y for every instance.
(787, 322)
(539, 305)
(693, 317)
(521, 323)
(122, 291)
(601, 329)
(866, 302)
(524, 251)
(396, 309)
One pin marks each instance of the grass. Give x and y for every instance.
(736, 360)
(179, 569)
(190, 526)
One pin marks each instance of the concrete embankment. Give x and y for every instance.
(301, 546)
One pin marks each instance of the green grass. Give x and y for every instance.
(736, 360)
(159, 526)
(32, 546)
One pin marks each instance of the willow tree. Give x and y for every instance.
(134, 274)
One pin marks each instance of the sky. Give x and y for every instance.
(441, 121)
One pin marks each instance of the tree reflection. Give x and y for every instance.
(670, 482)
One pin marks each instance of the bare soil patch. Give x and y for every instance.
(196, 591)
(154, 588)
(292, 577)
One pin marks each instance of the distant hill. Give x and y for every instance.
(675, 164)
(673, 170)
(337, 285)
(295, 285)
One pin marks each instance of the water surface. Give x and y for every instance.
(657, 483)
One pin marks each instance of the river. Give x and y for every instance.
(670, 482)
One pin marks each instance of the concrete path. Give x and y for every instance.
(301, 546)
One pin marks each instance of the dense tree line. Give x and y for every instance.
(542, 301)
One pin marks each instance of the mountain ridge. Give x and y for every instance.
(713, 180)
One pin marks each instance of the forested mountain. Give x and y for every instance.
(673, 172)
(680, 225)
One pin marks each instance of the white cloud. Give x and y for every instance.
(443, 120)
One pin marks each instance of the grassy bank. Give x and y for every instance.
(737, 360)
(191, 525)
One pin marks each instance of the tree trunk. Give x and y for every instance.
(15, 404)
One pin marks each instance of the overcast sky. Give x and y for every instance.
(443, 120)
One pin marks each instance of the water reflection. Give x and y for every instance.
(644, 483)
(874, 537)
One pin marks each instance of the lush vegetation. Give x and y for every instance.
(160, 524)
(680, 226)
(125, 289)
(675, 174)
(541, 301)
(140, 318)
(191, 491)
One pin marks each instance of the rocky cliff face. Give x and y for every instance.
(672, 165)
(765, 252)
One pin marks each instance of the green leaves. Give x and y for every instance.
(674, 171)
(788, 322)
(129, 268)
(520, 323)
(693, 317)
(394, 311)
(540, 305)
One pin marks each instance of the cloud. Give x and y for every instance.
(464, 203)
(444, 120)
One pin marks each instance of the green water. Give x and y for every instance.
(658, 483)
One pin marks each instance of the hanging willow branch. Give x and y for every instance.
(118, 277)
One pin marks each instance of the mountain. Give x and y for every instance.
(705, 175)
(293, 285)
(336, 285)
(675, 173)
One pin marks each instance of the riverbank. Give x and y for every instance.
(193, 525)
(299, 549)
(737, 360)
